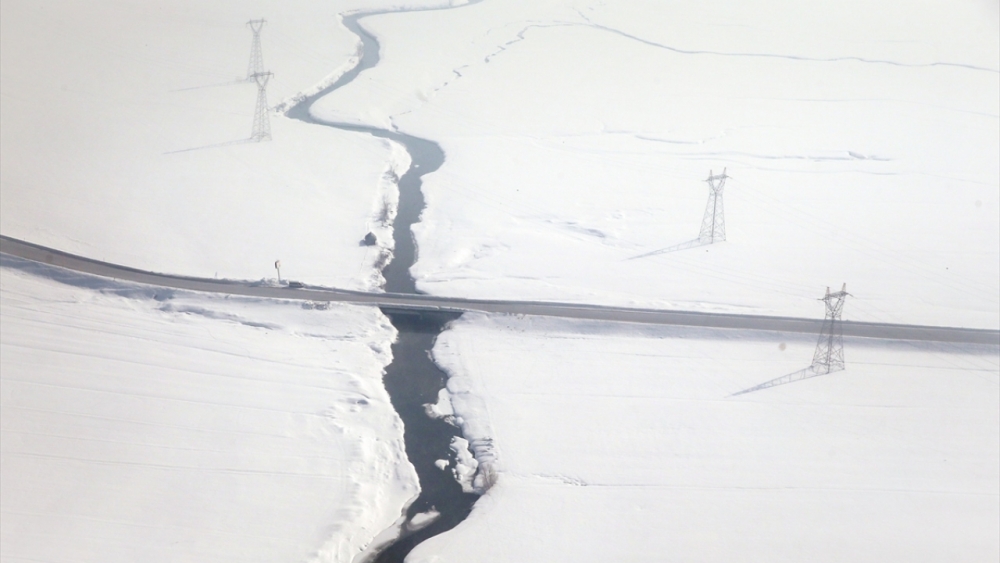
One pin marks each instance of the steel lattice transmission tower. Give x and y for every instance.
(713, 226)
(261, 124)
(256, 65)
(829, 355)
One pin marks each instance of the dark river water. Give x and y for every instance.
(412, 379)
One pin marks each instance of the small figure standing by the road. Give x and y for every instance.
(277, 266)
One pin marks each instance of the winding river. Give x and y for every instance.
(412, 379)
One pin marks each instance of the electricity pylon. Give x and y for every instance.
(829, 355)
(261, 124)
(713, 226)
(256, 65)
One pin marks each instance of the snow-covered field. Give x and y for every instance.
(863, 141)
(622, 443)
(144, 424)
(863, 144)
(123, 139)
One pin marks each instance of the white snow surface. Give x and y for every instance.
(863, 141)
(465, 464)
(623, 443)
(124, 139)
(442, 408)
(145, 424)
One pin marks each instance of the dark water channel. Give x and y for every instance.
(412, 379)
(426, 157)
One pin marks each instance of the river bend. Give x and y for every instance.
(412, 379)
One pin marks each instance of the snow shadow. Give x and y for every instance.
(807, 373)
(87, 281)
(128, 290)
(215, 315)
(677, 247)
(213, 146)
(558, 327)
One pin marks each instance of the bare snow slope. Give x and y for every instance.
(622, 443)
(153, 425)
(123, 139)
(863, 141)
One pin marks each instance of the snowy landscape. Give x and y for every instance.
(618, 442)
(861, 144)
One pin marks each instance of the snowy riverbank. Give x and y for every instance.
(862, 149)
(863, 144)
(180, 426)
(124, 139)
(622, 442)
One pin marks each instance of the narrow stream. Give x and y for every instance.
(412, 379)
(426, 157)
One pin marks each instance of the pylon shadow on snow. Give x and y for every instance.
(682, 246)
(255, 74)
(811, 371)
(213, 146)
(713, 224)
(829, 354)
